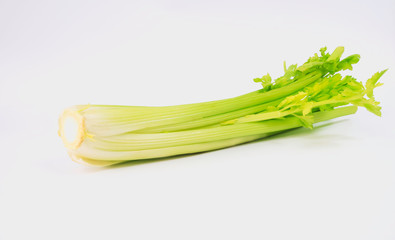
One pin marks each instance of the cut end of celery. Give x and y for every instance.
(71, 128)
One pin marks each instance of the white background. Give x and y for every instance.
(335, 182)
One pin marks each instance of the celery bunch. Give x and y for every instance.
(304, 95)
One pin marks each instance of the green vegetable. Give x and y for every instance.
(304, 95)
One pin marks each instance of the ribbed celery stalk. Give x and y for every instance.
(112, 120)
(109, 134)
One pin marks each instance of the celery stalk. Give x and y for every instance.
(304, 95)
